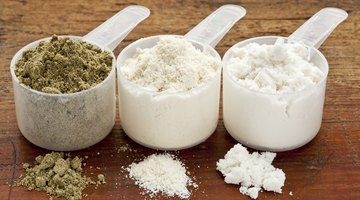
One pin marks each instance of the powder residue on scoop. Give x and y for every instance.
(63, 65)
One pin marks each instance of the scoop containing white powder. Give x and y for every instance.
(168, 85)
(279, 68)
(252, 171)
(172, 65)
(273, 93)
(162, 173)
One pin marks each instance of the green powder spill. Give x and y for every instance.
(63, 65)
(125, 148)
(57, 176)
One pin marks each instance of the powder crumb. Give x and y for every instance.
(98, 153)
(161, 173)
(124, 148)
(101, 179)
(195, 185)
(172, 65)
(252, 192)
(26, 165)
(252, 171)
(290, 193)
(57, 175)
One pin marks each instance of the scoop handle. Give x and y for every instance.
(315, 30)
(213, 28)
(115, 29)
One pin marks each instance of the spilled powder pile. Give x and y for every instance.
(279, 68)
(63, 65)
(57, 176)
(162, 173)
(252, 171)
(172, 65)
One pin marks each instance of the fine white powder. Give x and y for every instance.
(279, 68)
(172, 65)
(162, 173)
(252, 171)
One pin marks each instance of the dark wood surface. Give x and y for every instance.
(326, 168)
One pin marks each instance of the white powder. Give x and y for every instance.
(252, 171)
(161, 173)
(279, 68)
(172, 65)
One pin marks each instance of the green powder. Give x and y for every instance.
(57, 176)
(63, 65)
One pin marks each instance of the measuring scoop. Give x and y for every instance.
(67, 122)
(285, 121)
(172, 121)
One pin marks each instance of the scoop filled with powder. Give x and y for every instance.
(169, 85)
(64, 86)
(274, 87)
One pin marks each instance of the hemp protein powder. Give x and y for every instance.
(62, 65)
(58, 175)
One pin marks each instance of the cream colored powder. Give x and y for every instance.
(172, 65)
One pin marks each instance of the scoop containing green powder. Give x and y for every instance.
(63, 65)
(82, 77)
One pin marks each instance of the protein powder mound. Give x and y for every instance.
(172, 65)
(252, 171)
(57, 176)
(62, 65)
(279, 68)
(161, 173)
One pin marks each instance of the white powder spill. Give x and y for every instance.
(162, 173)
(279, 68)
(252, 171)
(172, 65)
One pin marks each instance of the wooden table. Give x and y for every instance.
(326, 168)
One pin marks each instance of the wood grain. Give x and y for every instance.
(326, 168)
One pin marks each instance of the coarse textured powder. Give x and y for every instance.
(252, 171)
(279, 68)
(125, 148)
(63, 65)
(172, 65)
(57, 175)
(162, 173)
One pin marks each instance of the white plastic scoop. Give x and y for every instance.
(280, 122)
(171, 121)
(67, 122)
